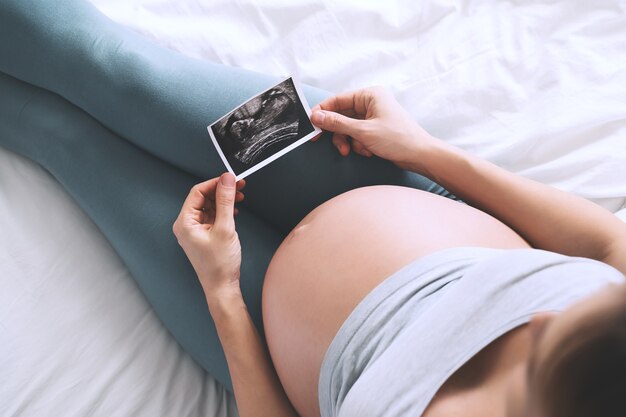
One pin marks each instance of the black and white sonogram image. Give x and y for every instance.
(263, 128)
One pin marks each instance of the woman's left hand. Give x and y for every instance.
(205, 229)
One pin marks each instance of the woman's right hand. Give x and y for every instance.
(377, 124)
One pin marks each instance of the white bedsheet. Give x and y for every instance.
(539, 88)
(77, 337)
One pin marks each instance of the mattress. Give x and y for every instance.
(78, 338)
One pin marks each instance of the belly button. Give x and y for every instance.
(297, 231)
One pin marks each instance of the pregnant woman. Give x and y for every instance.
(391, 301)
(381, 296)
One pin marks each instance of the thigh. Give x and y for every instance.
(162, 101)
(134, 199)
(339, 253)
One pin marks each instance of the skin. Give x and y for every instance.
(302, 311)
(546, 331)
(351, 243)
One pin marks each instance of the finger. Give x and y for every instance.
(350, 113)
(209, 216)
(358, 100)
(239, 197)
(341, 143)
(342, 101)
(236, 211)
(225, 203)
(339, 140)
(336, 122)
(210, 199)
(346, 112)
(359, 148)
(199, 194)
(315, 138)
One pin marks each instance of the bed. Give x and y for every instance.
(77, 336)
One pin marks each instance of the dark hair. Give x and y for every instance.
(586, 376)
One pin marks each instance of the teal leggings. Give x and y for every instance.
(121, 124)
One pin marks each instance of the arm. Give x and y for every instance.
(258, 391)
(547, 218)
(205, 229)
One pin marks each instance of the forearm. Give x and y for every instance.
(257, 389)
(546, 217)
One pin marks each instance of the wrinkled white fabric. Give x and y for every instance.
(77, 336)
(536, 87)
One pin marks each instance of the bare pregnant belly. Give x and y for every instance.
(338, 253)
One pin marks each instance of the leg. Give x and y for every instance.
(134, 199)
(163, 101)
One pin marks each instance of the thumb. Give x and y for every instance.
(225, 202)
(335, 122)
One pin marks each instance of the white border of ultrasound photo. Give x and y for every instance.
(278, 154)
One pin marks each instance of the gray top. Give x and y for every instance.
(415, 329)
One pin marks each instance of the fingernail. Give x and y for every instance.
(318, 117)
(228, 180)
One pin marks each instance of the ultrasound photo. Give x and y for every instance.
(263, 128)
